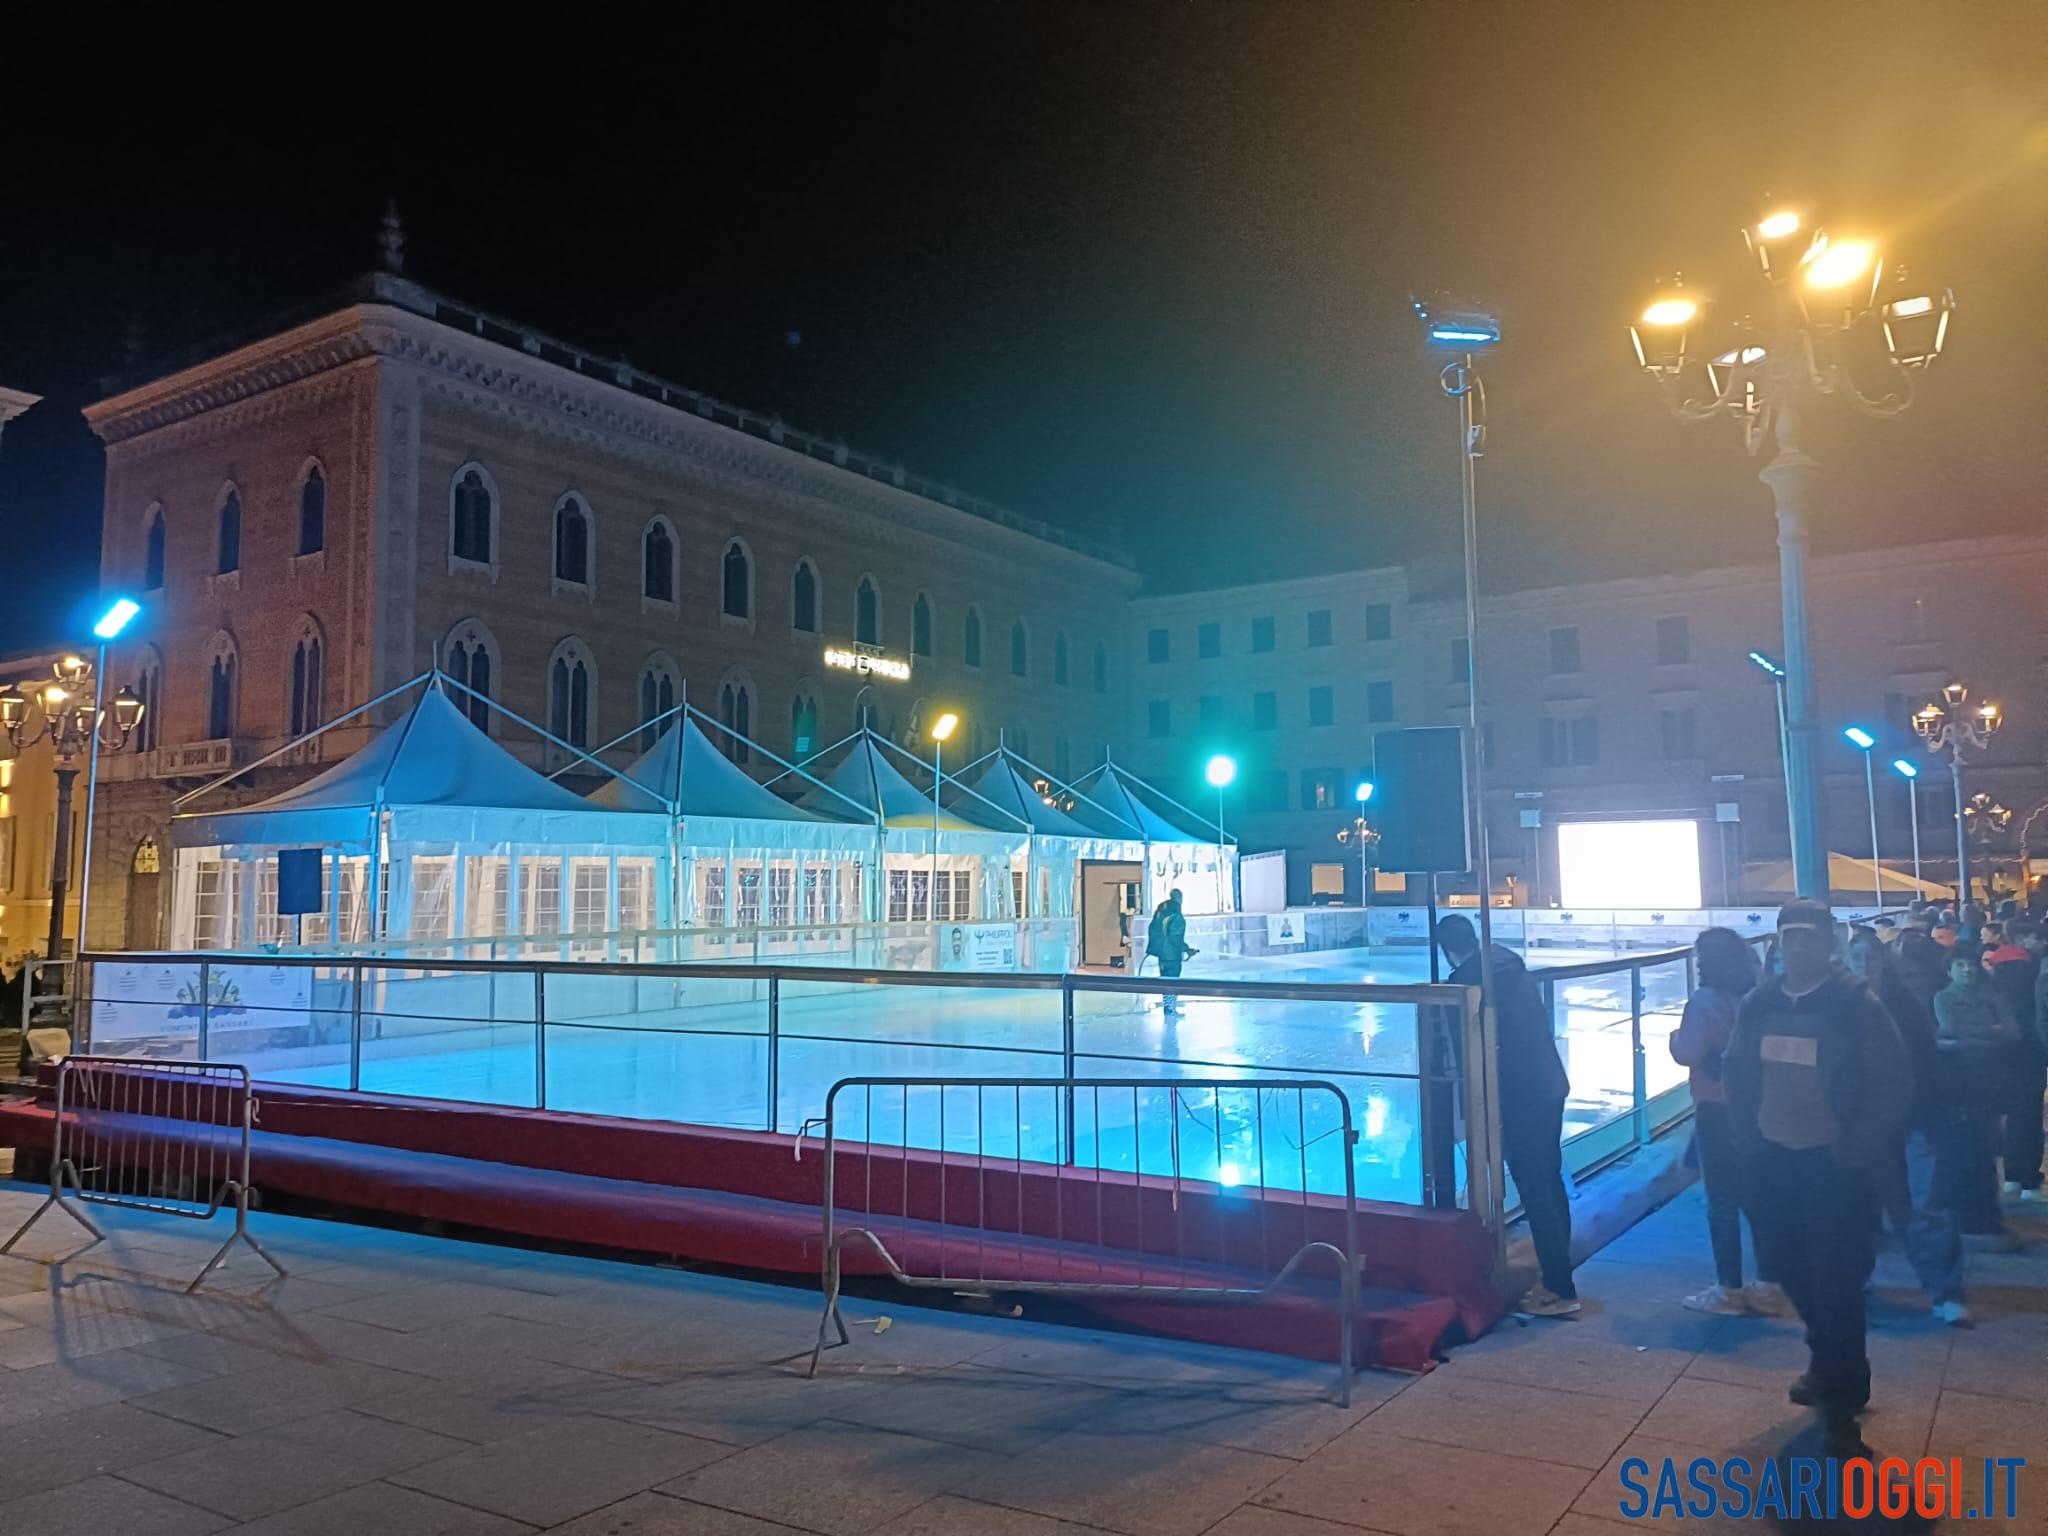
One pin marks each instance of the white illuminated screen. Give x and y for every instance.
(1635, 865)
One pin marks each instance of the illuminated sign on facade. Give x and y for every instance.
(868, 661)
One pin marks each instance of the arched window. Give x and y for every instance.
(1101, 667)
(1059, 658)
(472, 655)
(230, 544)
(153, 551)
(472, 516)
(149, 688)
(572, 679)
(313, 511)
(970, 638)
(1020, 650)
(658, 562)
(658, 690)
(921, 626)
(736, 710)
(803, 598)
(306, 678)
(572, 542)
(736, 585)
(803, 721)
(867, 612)
(221, 680)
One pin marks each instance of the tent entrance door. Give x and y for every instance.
(1111, 893)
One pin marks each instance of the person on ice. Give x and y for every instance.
(1819, 1083)
(1166, 940)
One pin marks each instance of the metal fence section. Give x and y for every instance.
(1181, 1189)
(169, 1137)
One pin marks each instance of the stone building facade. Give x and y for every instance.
(313, 518)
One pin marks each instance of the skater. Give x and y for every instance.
(1818, 1085)
(1533, 1090)
(1166, 940)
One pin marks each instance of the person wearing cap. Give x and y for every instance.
(1533, 1090)
(1818, 1083)
(2015, 968)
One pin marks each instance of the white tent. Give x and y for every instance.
(938, 864)
(470, 843)
(745, 857)
(1182, 848)
(1059, 840)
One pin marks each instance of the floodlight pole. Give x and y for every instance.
(1462, 383)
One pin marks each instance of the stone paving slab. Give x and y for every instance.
(406, 1385)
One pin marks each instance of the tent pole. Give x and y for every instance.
(548, 736)
(297, 741)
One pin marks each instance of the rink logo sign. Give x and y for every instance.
(1810, 1488)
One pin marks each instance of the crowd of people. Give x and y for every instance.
(1890, 1075)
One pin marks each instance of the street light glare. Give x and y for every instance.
(1364, 791)
(1906, 309)
(1766, 663)
(1905, 767)
(1671, 312)
(1778, 226)
(1839, 264)
(116, 618)
(1221, 770)
(943, 727)
(1860, 737)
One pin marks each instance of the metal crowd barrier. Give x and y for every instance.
(114, 1145)
(993, 1196)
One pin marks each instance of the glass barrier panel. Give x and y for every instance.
(467, 1035)
(1590, 1019)
(1664, 994)
(1285, 1034)
(145, 1009)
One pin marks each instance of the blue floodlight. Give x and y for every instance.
(1905, 767)
(116, 618)
(1364, 791)
(1860, 737)
(1221, 770)
(1767, 664)
(1457, 322)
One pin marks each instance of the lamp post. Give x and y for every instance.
(1831, 322)
(1985, 818)
(1949, 726)
(1911, 775)
(942, 728)
(1777, 676)
(1864, 741)
(1361, 832)
(73, 719)
(1220, 772)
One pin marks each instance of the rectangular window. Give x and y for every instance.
(748, 908)
(1211, 710)
(489, 902)
(213, 904)
(1262, 634)
(1318, 789)
(1265, 711)
(1208, 641)
(711, 893)
(636, 895)
(781, 895)
(1158, 645)
(1379, 621)
(1564, 651)
(1678, 733)
(817, 895)
(1159, 718)
(1379, 702)
(1319, 626)
(1461, 661)
(1568, 741)
(433, 897)
(540, 895)
(1674, 641)
(1322, 706)
(1269, 790)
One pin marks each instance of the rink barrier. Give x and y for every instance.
(167, 1137)
(995, 1239)
(179, 1006)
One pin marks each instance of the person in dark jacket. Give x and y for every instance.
(1727, 973)
(1166, 940)
(1917, 1181)
(1818, 1085)
(2016, 973)
(1977, 1038)
(1533, 1090)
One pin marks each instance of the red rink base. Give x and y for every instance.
(748, 1200)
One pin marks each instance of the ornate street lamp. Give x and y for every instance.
(66, 712)
(1827, 321)
(1361, 833)
(1949, 726)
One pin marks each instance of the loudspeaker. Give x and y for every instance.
(1418, 800)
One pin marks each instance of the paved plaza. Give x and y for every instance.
(399, 1385)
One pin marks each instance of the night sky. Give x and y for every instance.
(1139, 269)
